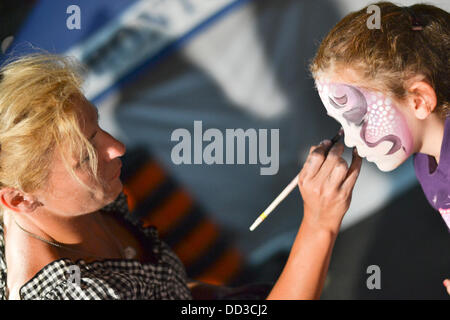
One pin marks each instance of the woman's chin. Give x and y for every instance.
(118, 186)
(115, 188)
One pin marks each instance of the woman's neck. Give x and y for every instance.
(67, 230)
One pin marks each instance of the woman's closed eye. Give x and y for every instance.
(80, 163)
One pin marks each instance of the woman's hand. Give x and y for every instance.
(326, 184)
(446, 284)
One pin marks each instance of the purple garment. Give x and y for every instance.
(434, 178)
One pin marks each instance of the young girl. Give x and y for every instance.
(390, 90)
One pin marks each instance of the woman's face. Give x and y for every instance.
(372, 121)
(63, 194)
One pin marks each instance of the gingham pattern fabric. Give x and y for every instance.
(163, 278)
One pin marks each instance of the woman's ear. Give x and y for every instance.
(424, 98)
(18, 201)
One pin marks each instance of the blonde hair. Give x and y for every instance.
(388, 57)
(37, 117)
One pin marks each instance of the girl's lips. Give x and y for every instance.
(361, 154)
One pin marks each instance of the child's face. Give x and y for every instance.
(372, 121)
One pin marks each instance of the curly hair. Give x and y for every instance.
(391, 55)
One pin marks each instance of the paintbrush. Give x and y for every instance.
(291, 186)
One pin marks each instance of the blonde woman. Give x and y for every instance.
(59, 171)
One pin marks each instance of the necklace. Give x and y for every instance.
(127, 253)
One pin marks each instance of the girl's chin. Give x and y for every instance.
(386, 166)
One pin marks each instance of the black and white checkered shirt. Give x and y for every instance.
(162, 278)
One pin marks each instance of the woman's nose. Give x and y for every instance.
(114, 148)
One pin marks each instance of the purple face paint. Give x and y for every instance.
(371, 122)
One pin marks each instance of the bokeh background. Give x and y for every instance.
(153, 66)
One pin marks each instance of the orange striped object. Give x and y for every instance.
(207, 253)
(143, 183)
(165, 216)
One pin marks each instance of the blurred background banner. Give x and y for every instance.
(121, 37)
(155, 66)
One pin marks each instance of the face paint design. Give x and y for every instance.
(371, 122)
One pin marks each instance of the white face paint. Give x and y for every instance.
(371, 123)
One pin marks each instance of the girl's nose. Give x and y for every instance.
(348, 140)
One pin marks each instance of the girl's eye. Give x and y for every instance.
(338, 102)
(341, 100)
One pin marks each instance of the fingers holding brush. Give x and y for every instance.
(317, 156)
(319, 166)
(353, 172)
(314, 161)
(326, 183)
(334, 167)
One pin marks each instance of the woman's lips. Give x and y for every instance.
(117, 173)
